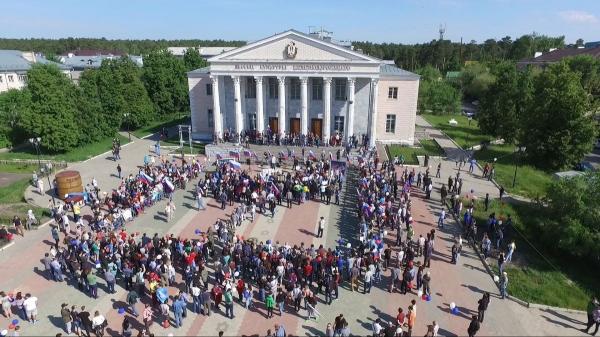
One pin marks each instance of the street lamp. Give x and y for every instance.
(126, 115)
(36, 142)
(519, 150)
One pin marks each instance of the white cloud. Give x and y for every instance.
(574, 16)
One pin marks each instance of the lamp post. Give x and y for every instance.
(126, 115)
(519, 150)
(36, 144)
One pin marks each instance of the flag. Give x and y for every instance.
(311, 154)
(247, 153)
(235, 165)
(282, 155)
(234, 154)
(147, 177)
(274, 189)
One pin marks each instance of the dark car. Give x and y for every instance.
(585, 166)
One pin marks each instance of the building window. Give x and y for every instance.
(211, 118)
(294, 88)
(273, 88)
(390, 124)
(1, 78)
(317, 89)
(338, 124)
(340, 89)
(252, 121)
(11, 78)
(208, 89)
(22, 78)
(250, 88)
(393, 92)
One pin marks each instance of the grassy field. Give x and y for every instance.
(531, 182)
(13, 203)
(77, 154)
(18, 168)
(157, 125)
(410, 154)
(553, 280)
(463, 134)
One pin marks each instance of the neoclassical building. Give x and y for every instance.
(294, 83)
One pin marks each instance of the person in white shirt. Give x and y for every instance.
(30, 305)
(321, 227)
(98, 324)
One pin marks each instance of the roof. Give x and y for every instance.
(559, 54)
(212, 51)
(86, 62)
(311, 37)
(14, 60)
(205, 70)
(92, 52)
(388, 70)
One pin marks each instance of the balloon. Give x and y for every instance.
(348, 245)
(455, 311)
(361, 238)
(170, 241)
(420, 293)
(15, 322)
(385, 233)
(142, 250)
(496, 278)
(428, 298)
(121, 311)
(98, 265)
(452, 305)
(197, 232)
(236, 274)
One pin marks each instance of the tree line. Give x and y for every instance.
(118, 94)
(132, 47)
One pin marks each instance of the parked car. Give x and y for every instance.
(585, 166)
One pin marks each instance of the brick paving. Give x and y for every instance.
(463, 283)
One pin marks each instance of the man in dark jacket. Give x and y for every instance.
(483, 305)
(473, 326)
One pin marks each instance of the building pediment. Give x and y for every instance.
(292, 46)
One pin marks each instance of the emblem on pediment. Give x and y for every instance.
(291, 50)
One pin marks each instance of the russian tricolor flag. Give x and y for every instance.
(234, 154)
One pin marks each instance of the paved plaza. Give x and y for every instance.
(463, 284)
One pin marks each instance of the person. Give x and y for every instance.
(132, 299)
(86, 322)
(486, 201)
(119, 170)
(31, 220)
(439, 168)
(377, 328)
(511, 249)
(503, 284)
(473, 326)
(321, 227)
(40, 186)
(501, 261)
(99, 323)
(482, 306)
(436, 328)
(229, 303)
(126, 327)
(270, 304)
(591, 307)
(30, 306)
(178, 307)
(5, 234)
(147, 316)
(411, 317)
(596, 321)
(280, 331)
(429, 332)
(18, 225)
(280, 299)
(426, 283)
(65, 313)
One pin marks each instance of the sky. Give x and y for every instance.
(399, 21)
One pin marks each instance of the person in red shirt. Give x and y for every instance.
(400, 317)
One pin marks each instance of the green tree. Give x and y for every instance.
(499, 111)
(53, 111)
(589, 69)
(573, 224)
(165, 79)
(475, 80)
(12, 105)
(193, 60)
(558, 129)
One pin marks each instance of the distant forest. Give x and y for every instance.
(442, 54)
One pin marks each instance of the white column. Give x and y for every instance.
(326, 109)
(260, 119)
(218, 120)
(375, 92)
(350, 128)
(282, 93)
(238, 105)
(304, 106)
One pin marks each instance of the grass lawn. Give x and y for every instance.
(18, 168)
(157, 125)
(531, 182)
(561, 282)
(410, 153)
(12, 203)
(463, 134)
(77, 154)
